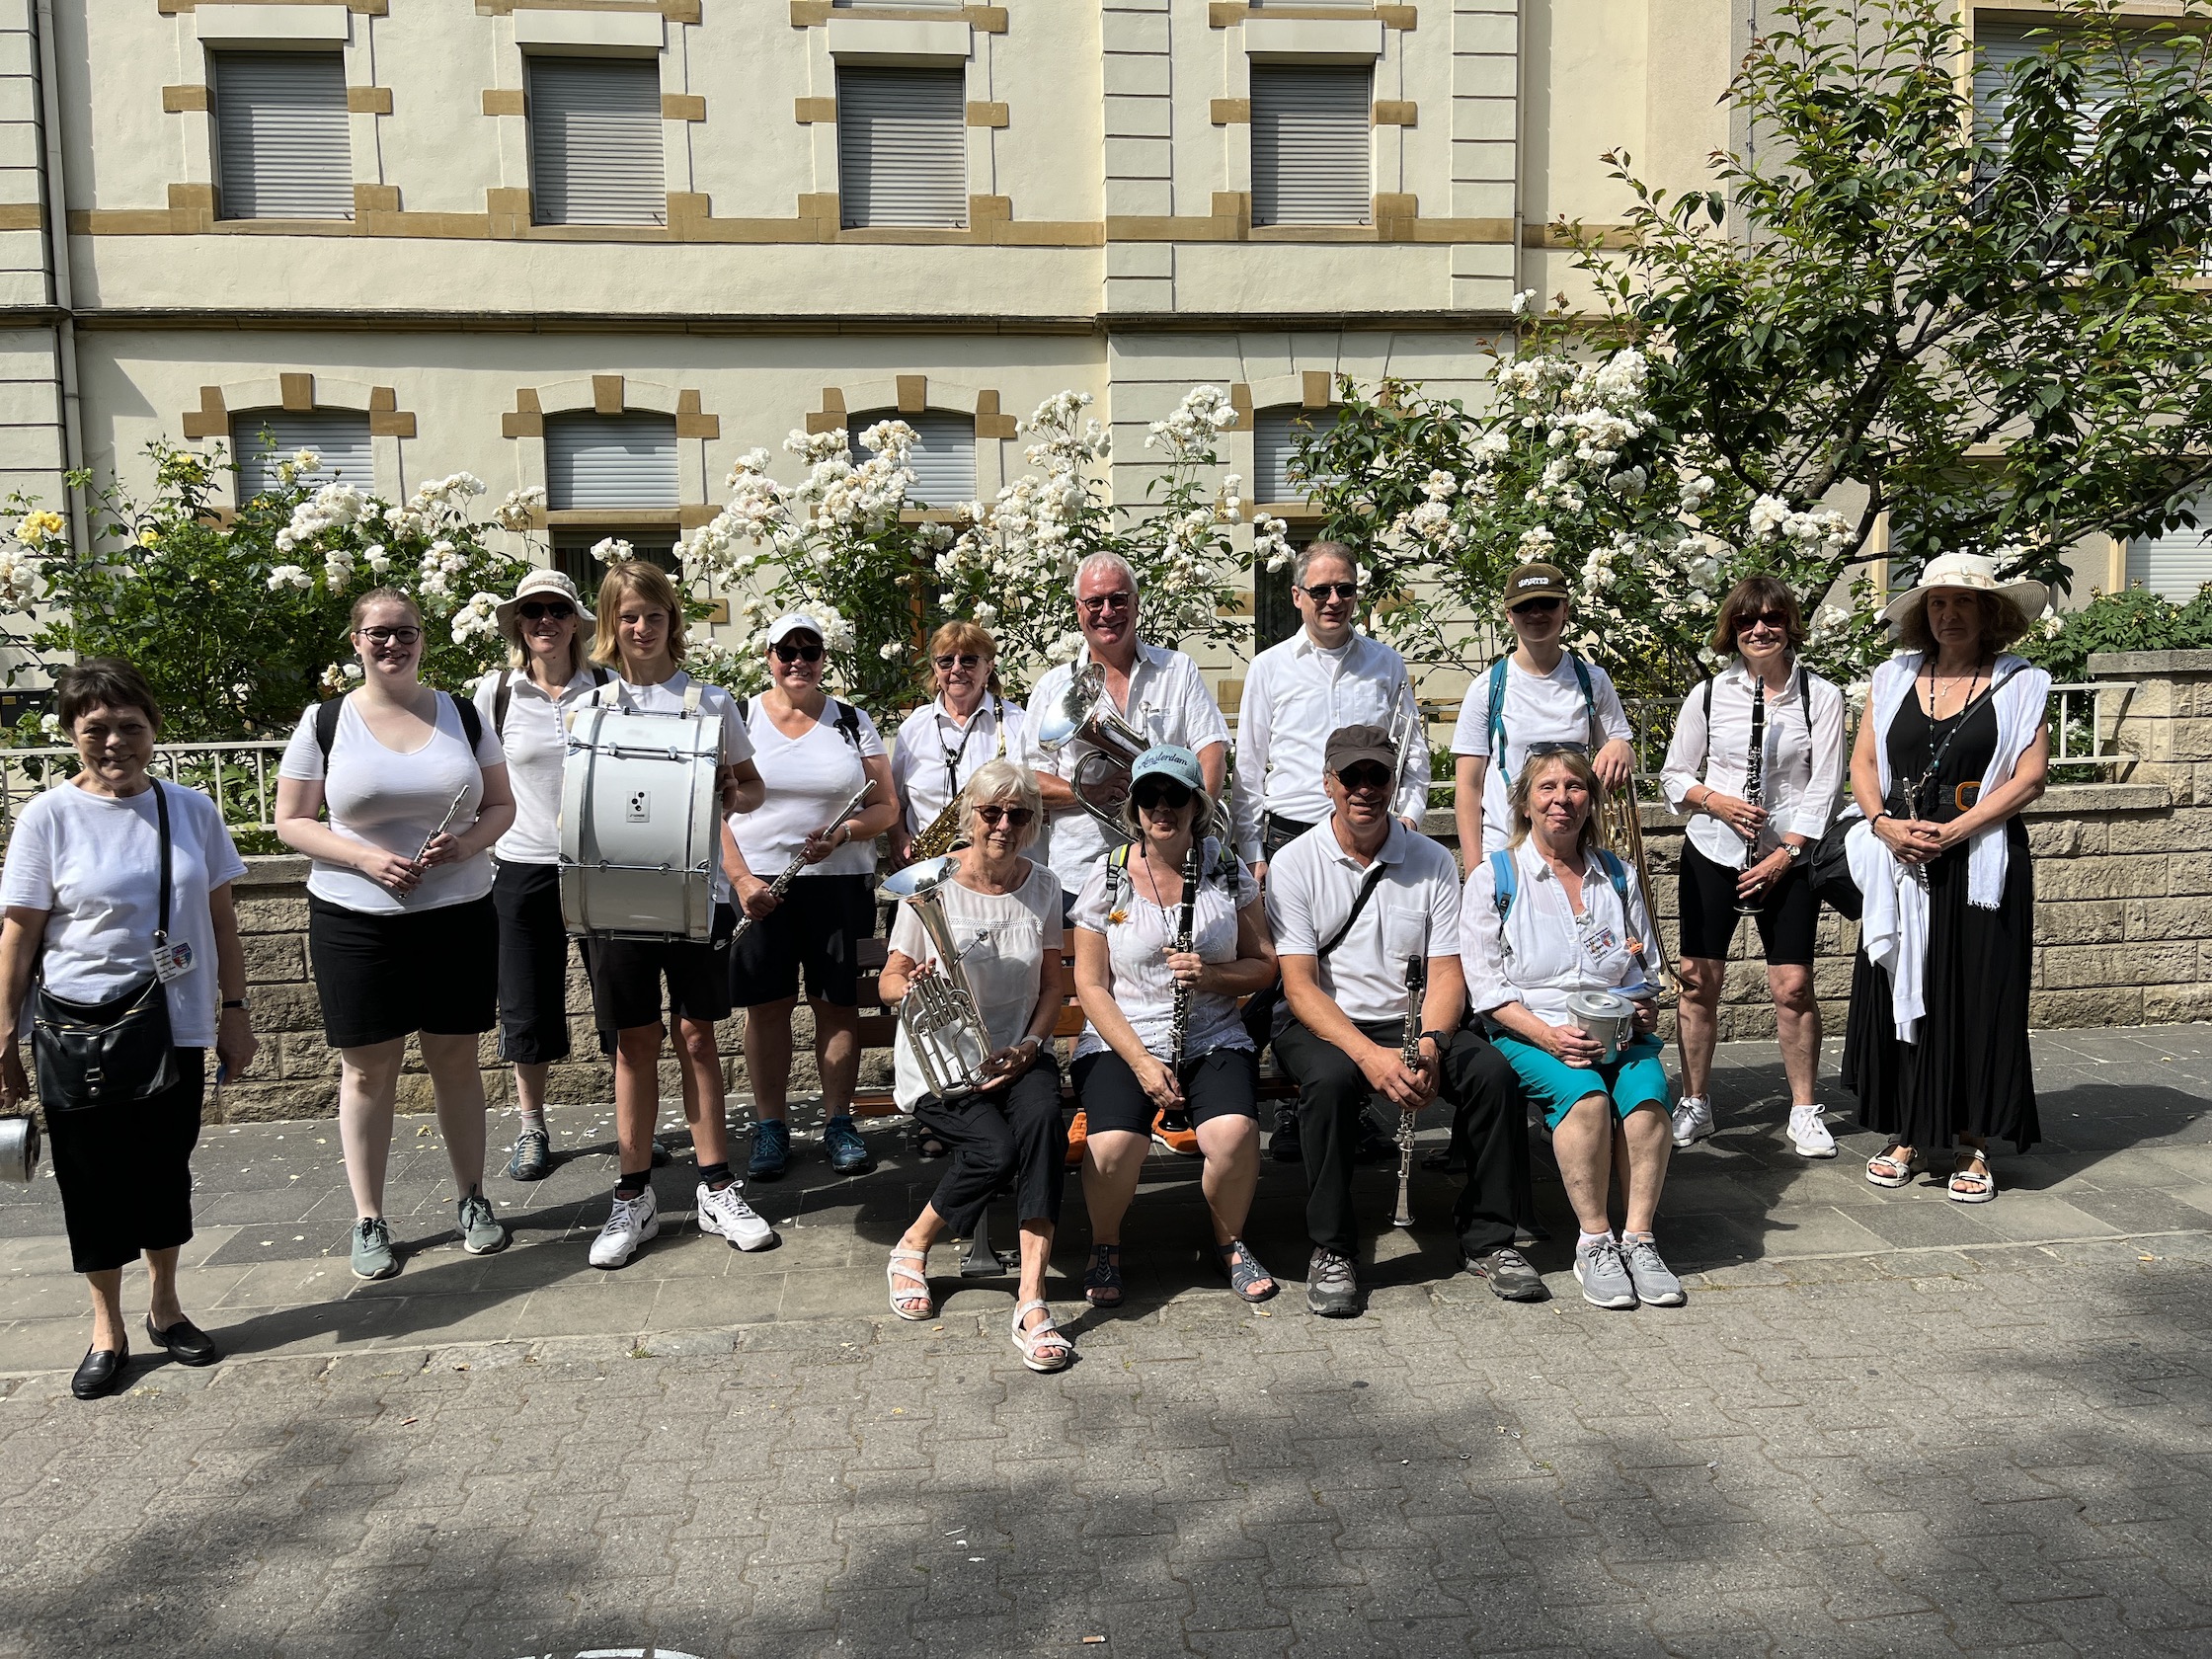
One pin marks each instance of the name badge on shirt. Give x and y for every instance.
(173, 960)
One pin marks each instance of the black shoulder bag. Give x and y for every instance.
(116, 1051)
(1261, 1007)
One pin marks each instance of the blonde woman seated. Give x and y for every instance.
(1129, 1065)
(1549, 914)
(1002, 911)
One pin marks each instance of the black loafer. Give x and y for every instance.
(98, 1372)
(186, 1343)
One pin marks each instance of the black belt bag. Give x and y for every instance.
(102, 1054)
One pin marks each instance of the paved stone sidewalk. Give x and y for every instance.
(1885, 1424)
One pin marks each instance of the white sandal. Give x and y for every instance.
(1047, 1335)
(1894, 1171)
(892, 1272)
(1981, 1184)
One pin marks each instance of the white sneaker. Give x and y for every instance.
(1809, 1135)
(634, 1220)
(1693, 1120)
(728, 1214)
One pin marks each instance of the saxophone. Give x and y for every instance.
(1409, 1055)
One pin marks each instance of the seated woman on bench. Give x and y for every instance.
(1003, 912)
(1164, 1034)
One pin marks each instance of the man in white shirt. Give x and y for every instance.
(1354, 902)
(1542, 693)
(1157, 690)
(1326, 675)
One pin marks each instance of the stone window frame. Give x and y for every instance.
(1311, 389)
(300, 391)
(617, 394)
(915, 393)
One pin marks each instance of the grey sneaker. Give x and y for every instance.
(1693, 1120)
(1509, 1275)
(1602, 1276)
(372, 1249)
(533, 1156)
(480, 1232)
(842, 1141)
(1332, 1289)
(1656, 1285)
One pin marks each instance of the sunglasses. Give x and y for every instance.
(1537, 607)
(966, 660)
(1018, 817)
(559, 611)
(797, 653)
(1173, 796)
(1320, 593)
(1773, 619)
(1538, 751)
(1119, 600)
(1364, 777)
(390, 636)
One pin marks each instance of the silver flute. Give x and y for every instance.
(1409, 1055)
(782, 884)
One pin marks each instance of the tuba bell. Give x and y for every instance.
(1086, 713)
(938, 1013)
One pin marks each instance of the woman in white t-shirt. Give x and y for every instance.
(815, 754)
(641, 635)
(401, 930)
(83, 895)
(1002, 911)
(1128, 1066)
(940, 746)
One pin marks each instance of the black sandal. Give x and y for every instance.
(1102, 1284)
(1244, 1271)
(927, 1144)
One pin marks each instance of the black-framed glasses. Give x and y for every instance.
(1164, 792)
(965, 659)
(786, 652)
(1120, 599)
(559, 611)
(1364, 777)
(1018, 817)
(1538, 607)
(401, 635)
(1320, 593)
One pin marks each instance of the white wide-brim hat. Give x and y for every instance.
(550, 582)
(1977, 573)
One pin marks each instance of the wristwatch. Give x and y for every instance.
(1794, 851)
(238, 1003)
(1442, 1039)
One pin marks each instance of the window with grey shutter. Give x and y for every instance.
(609, 462)
(261, 437)
(596, 141)
(573, 555)
(943, 458)
(2177, 563)
(1275, 439)
(283, 142)
(903, 148)
(1312, 140)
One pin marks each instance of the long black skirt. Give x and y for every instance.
(1970, 1073)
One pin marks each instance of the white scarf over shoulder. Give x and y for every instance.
(2023, 694)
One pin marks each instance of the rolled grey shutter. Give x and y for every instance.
(596, 141)
(943, 458)
(338, 435)
(1312, 144)
(1275, 439)
(2177, 563)
(284, 141)
(902, 148)
(610, 462)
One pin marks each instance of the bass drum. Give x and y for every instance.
(640, 823)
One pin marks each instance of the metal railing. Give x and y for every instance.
(240, 777)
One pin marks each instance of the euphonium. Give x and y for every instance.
(1086, 713)
(938, 1013)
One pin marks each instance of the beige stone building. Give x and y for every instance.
(605, 246)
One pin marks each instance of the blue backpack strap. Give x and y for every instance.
(1617, 873)
(1505, 878)
(1589, 699)
(1498, 712)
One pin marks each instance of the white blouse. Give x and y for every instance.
(1542, 950)
(1136, 947)
(1802, 771)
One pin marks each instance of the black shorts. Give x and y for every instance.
(124, 1171)
(1219, 1083)
(627, 976)
(818, 927)
(1786, 921)
(381, 976)
(533, 964)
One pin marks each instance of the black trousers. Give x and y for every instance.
(1488, 1124)
(533, 964)
(1014, 1134)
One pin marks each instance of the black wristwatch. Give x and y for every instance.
(1442, 1039)
(238, 1003)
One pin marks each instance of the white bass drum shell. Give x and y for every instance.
(640, 823)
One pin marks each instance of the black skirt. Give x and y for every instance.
(124, 1171)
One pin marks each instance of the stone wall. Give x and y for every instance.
(2123, 874)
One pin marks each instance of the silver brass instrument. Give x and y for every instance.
(18, 1148)
(938, 1013)
(782, 884)
(1755, 782)
(1409, 1055)
(1620, 831)
(1405, 723)
(1086, 713)
(946, 829)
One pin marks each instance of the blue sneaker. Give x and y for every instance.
(771, 1149)
(848, 1152)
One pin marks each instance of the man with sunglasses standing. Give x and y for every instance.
(1157, 690)
(1542, 694)
(1366, 913)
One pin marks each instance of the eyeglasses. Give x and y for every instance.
(1537, 607)
(1320, 593)
(1120, 599)
(966, 660)
(788, 653)
(1164, 793)
(1773, 619)
(559, 611)
(1018, 817)
(1364, 778)
(390, 636)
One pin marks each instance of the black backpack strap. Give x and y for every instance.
(848, 724)
(472, 722)
(599, 676)
(1708, 710)
(501, 700)
(326, 726)
(744, 711)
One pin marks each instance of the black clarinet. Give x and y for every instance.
(1755, 782)
(1409, 1055)
(1179, 1023)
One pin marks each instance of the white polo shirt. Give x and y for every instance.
(1414, 910)
(536, 741)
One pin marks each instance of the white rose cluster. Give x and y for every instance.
(477, 619)
(1822, 530)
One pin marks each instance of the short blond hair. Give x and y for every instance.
(1531, 770)
(649, 582)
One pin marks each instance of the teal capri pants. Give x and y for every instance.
(1636, 1078)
